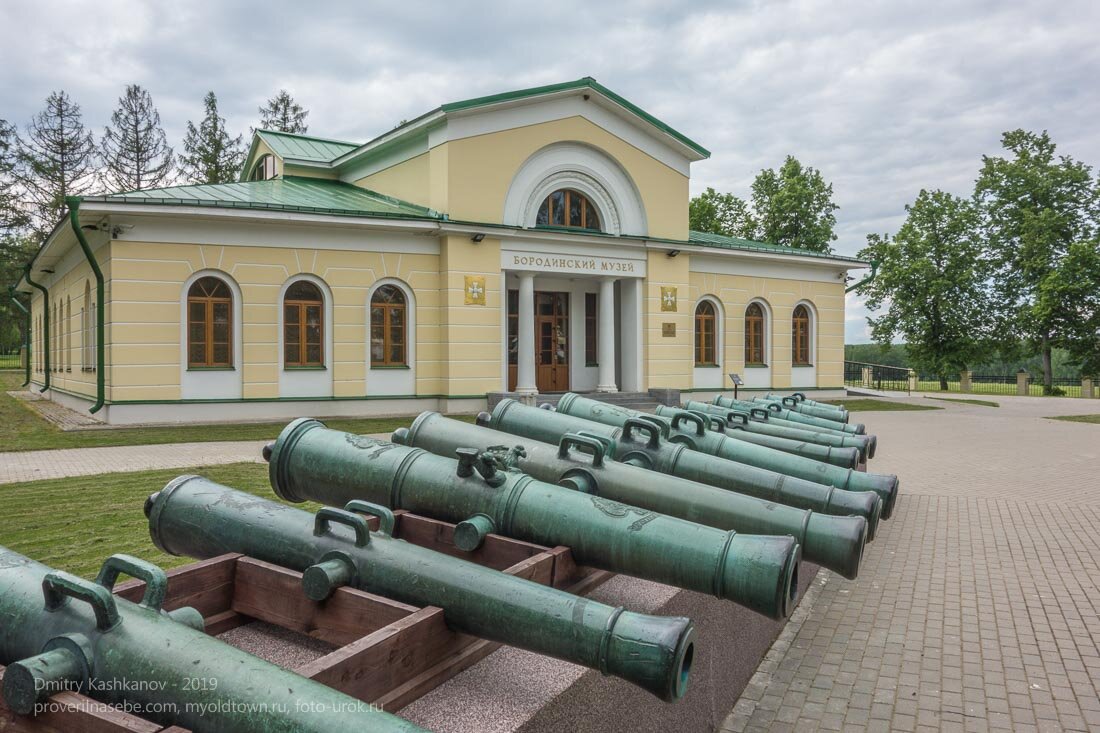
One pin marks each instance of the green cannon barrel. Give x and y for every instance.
(196, 517)
(61, 632)
(792, 415)
(580, 462)
(826, 413)
(309, 461)
(803, 399)
(819, 413)
(841, 456)
(644, 443)
(692, 430)
(758, 420)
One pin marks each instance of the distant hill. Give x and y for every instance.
(896, 355)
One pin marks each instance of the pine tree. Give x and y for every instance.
(282, 113)
(210, 155)
(135, 149)
(56, 160)
(12, 216)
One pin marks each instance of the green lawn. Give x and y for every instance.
(1094, 419)
(983, 403)
(22, 429)
(873, 405)
(74, 523)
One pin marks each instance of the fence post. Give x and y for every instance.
(868, 376)
(964, 380)
(1086, 387)
(912, 380)
(1021, 383)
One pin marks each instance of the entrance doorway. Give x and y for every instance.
(551, 340)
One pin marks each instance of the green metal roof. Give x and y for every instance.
(290, 193)
(305, 147)
(707, 239)
(585, 82)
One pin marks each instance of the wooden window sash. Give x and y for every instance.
(387, 335)
(208, 304)
(301, 308)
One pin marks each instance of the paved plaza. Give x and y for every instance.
(977, 606)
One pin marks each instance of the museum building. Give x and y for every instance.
(528, 242)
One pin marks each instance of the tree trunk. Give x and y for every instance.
(943, 383)
(1048, 369)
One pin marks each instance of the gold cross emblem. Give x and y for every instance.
(668, 299)
(475, 290)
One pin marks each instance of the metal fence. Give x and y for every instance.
(879, 377)
(11, 361)
(1001, 384)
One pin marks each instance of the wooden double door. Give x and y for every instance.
(551, 341)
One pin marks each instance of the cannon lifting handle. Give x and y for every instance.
(58, 586)
(595, 447)
(386, 520)
(328, 514)
(156, 581)
(634, 423)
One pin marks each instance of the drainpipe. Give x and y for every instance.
(73, 202)
(27, 343)
(866, 280)
(45, 323)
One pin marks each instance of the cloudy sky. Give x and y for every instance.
(883, 97)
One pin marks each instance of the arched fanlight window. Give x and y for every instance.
(705, 321)
(754, 334)
(568, 208)
(800, 336)
(388, 327)
(303, 326)
(209, 324)
(264, 169)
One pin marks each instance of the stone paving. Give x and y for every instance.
(978, 606)
(44, 464)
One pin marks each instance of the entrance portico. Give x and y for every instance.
(572, 322)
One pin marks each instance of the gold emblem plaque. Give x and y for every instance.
(668, 299)
(668, 330)
(475, 290)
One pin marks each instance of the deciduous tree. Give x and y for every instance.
(1040, 216)
(720, 213)
(931, 283)
(210, 153)
(135, 149)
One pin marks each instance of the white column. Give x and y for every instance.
(605, 348)
(525, 364)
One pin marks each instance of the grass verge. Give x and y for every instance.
(1094, 419)
(873, 405)
(22, 429)
(75, 523)
(983, 403)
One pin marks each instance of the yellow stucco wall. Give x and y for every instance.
(470, 345)
(409, 180)
(735, 292)
(147, 286)
(469, 178)
(668, 358)
(71, 366)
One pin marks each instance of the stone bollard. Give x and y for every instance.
(1086, 388)
(912, 381)
(1021, 383)
(964, 381)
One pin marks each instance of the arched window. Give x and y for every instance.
(800, 336)
(264, 170)
(705, 347)
(754, 334)
(568, 208)
(303, 326)
(388, 327)
(209, 324)
(87, 333)
(68, 333)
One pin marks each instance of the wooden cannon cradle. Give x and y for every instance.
(388, 653)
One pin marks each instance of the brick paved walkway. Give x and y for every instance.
(978, 607)
(43, 464)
